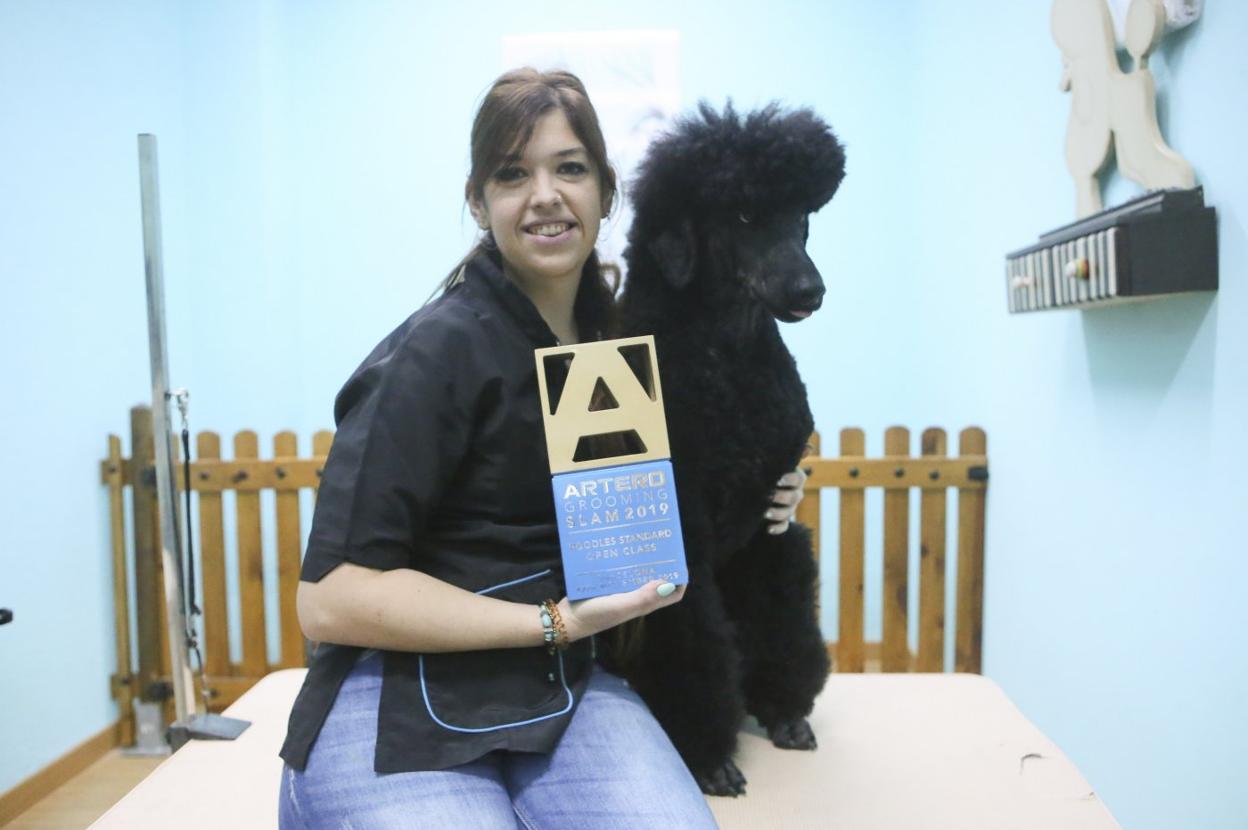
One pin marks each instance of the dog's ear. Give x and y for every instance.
(675, 251)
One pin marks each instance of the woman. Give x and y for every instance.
(431, 700)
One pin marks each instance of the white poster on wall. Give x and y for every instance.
(633, 80)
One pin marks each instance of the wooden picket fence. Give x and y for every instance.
(933, 473)
(287, 474)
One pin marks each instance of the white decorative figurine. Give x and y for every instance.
(1109, 104)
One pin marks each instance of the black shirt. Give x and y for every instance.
(439, 464)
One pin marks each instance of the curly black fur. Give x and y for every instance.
(716, 165)
(716, 254)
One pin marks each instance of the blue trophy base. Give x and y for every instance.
(619, 528)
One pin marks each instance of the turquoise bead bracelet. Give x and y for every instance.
(548, 626)
(553, 632)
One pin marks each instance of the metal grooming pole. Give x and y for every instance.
(190, 722)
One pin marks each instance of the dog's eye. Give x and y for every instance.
(745, 220)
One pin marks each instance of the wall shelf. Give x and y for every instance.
(1162, 243)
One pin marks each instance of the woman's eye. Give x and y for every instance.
(508, 174)
(573, 168)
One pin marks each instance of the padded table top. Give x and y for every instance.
(895, 750)
(929, 751)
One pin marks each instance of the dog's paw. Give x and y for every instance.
(792, 734)
(723, 780)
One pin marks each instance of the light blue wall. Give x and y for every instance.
(1115, 541)
(77, 82)
(312, 163)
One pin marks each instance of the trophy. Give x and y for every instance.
(610, 465)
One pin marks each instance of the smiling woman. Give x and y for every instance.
(448, 687)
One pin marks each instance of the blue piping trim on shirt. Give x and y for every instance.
(513, 582)
(424, 691)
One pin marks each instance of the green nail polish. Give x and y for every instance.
(666, 589)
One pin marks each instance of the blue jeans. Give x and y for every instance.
(614, 768)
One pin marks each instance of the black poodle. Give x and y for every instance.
(716, 254)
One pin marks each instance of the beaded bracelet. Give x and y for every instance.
(553, 631)
(548, 625)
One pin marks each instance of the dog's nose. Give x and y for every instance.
(808, 297)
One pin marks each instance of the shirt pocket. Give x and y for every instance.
(484, 691)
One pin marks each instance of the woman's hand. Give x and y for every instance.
(584, 617)
(784, 501)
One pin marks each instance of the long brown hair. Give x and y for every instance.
(503, 125)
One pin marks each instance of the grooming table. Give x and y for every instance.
(895, 750)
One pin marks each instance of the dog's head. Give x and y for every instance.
(724, 201)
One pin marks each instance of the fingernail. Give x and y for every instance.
(770, 515)
(665, 590)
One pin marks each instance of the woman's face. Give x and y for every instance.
(544, 207)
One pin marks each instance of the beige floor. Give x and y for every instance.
(86, 796)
